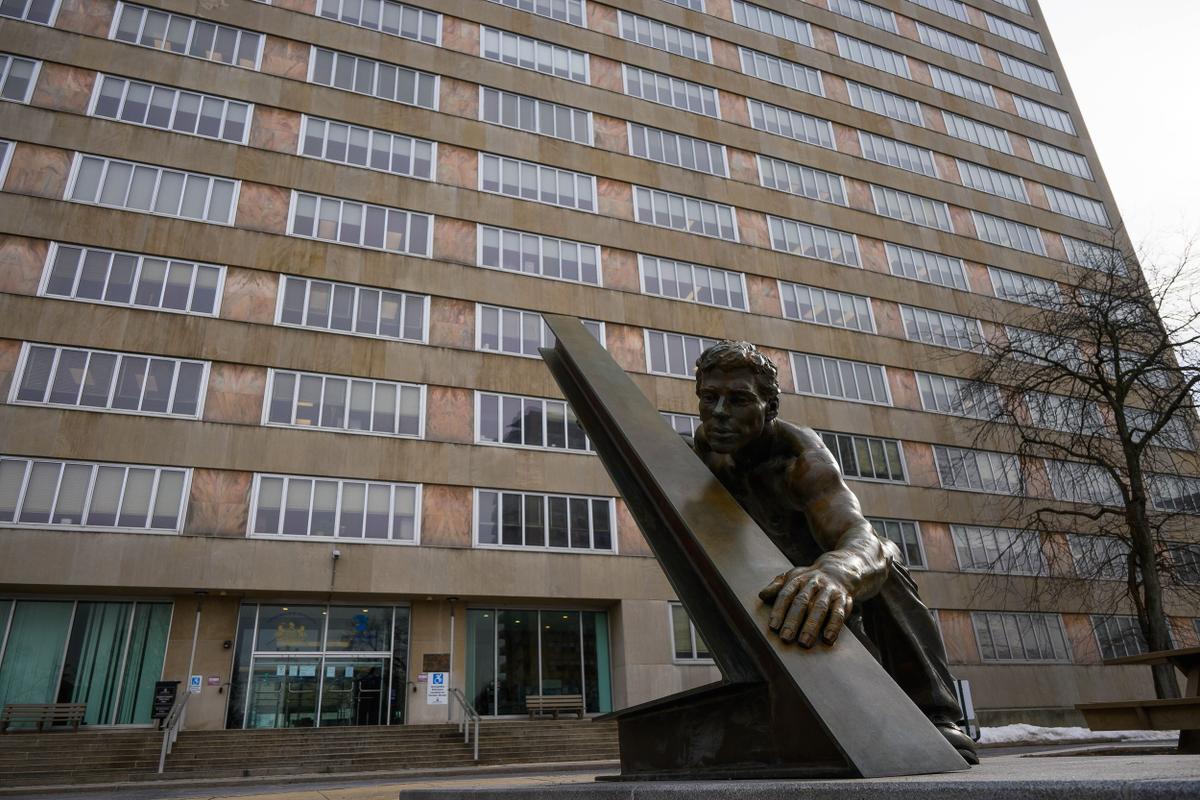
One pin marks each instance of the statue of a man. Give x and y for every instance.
(845, 574)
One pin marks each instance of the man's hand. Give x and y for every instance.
(807, 600)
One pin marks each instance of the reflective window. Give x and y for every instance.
(380, 79)
(532, 254)
(884, 103)
(792, 124)
(544, 521)
(1014, 32)
(569, 11)
(802, 239)
(925, 266)
(361, 224)
(978, 470)
(367, 147)
(151, 189)
(1021, 288)
(333, 402)
(868, 13)
(841, 379)
(1099, 557)
(1030, 73)
(527, 180)
(1007, 233)
(941, 329)
(826, 307)
(977, 132)
(1009, 636)
(519, 333)
(785, 73)
(998, 550)
(1092, 255)
(906, 535)
(534, 54)
(682, 423)
(1077, 206)
(948, 395)
(961, 85)
(287, 505)
(17, 77)
(1059, 159)
(674, 353)
(911, 208)
(1043, 114)
(951, 8)
(172, 109)
(678, 150)
(688, 644)
(873, 55)
(689, 214)
(949, 43)
(669, 91)
(1076, 482)
(43, 12)
(517, 420)
(769, 21)
(387, 16)
(187, 36)
(534, 115)
(1118, 636)
(866, 457)
(992, 181)
(1175, 493)
(129, 279)
(800, 180)
(347, 308)
(660, 36)
(896, 153)
(692, 283)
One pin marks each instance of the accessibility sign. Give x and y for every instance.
(436, 689)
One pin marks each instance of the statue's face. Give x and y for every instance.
(731, 409)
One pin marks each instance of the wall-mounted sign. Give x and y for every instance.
(436, 689)
(195, 683)
(435, 662)
(214, 680)
(164, 698)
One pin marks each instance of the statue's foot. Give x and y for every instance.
(960, 742)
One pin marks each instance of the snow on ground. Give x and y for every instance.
(1035, 734)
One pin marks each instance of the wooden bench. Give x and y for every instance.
(1182, 714)
(44, 715)
(542, 704)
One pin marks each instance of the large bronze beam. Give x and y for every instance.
(780, 710)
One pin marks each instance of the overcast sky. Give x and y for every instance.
(1135, 70)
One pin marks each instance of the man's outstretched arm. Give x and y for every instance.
(815, 600)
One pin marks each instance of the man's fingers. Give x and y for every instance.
(784, 599)
(839, 610)
(772, 589)
(794, 614)
(818, 609)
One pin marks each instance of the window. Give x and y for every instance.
(328, 508)
(347, 308)
(802, 239)
(1092, 255)
(569, 11)
(1118, 636)
(1077, 206)
(674, 353)
(1030, 73)
(40, 11)
(1014, 33)
(1044, 115)
(978, 470)
(1175, 493)
(768, 21)
(1007, 233)
(992, 181)
(331, 219)
(800, 180)
(949, 43)
(884, 103)
(545, 256)
(535, 116)
(678, 150)
(951, 8)
(865, 12)
(998, 550)
(352, 73)
(694, 5)
(1099, 557)
(1076, 482)
(519, 421)
(1187, 561)
(367, 147)
(544, 521)
(1021, 288)
(171, 109)
(792, 124)
(690, 214)
(668, 91)
(534, 54)
(154, 190)
(1037, 347)
(689, 645)
(943, 394)
(682, 423)
(785, 73)
(1009, 636)
(17, 77)
(1174, 434)
(692, 283)
(961, 85)
(519, 333)
(187, 36)
(541, 184)
(1061, 160)
(872, 55)
(6, 149)
(826, 307)
(353, 405)
(977, 132)
(109, 381)
(866, 457)
(660, 36)
(911, 208)
(906, 535)
(941, 329)
(387, 16)
(69, 494)
(1016, 5)
(895, 153)
(840, 379)
(927, 267)
(129, 279)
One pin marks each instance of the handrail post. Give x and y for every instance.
(171, 727)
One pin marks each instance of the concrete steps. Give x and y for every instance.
(119, 756)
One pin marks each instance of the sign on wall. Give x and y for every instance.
(195, 683)
(436, 693)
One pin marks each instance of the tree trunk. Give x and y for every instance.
(1151, 612)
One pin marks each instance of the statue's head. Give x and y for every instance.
(738, 389)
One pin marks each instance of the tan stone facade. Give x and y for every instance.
(246, 340)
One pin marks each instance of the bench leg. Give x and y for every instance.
(1189, 742)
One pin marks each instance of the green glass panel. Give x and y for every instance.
(398, 689)
(143, 662)
(596, 675)
(481, 659)
(34, 651)
(562, 671)
(243, 650)
(91, 671)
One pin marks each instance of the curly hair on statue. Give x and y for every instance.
(728, 355)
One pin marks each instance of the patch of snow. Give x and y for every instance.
(1035, 734)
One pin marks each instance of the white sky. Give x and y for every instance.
(1133, 66)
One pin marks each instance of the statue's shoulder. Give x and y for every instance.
(797, 438)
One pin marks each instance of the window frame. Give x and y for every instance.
(666, 353)
(684, 198)
(356, 287)
(77, 163)
(680, 138)
(305, 119)
(479, 306)
(268, 398)
(793, 355)
(342, 201)
(50, 22)
(868, 438)
(478, 426)
(192, 21)
(622, 14)
(484, 28)
(1068, 659)
(694, 636)
(94, 101)
(479, 260)
(924, 565)
(539, 102)
(568, 550)
(34, 74)
(741, 278)
(437, 42)
(783, 287)
(593, 180)
(534, 10)
(376, 63)
(6, 159)
(700, 89)
(255, 488)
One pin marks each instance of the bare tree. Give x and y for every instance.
(1094, 387)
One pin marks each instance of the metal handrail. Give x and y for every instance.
(171, 727)
(470, 715)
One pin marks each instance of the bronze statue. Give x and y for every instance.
(846, 575)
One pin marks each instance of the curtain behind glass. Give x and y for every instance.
(144, 662)
(33, 655)
(91, 672)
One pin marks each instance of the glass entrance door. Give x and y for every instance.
(354, 692)
(284, 693)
